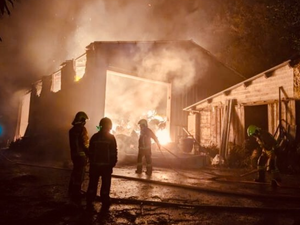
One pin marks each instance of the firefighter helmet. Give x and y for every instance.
(105, 123)
(80, 118)
(252, 129)
(143, 122)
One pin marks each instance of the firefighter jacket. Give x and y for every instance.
(266, 141)
(103, 149)
(79, 140)
(145, 138)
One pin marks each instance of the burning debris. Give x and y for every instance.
(127, 132)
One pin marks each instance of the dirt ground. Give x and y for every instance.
(38, 195)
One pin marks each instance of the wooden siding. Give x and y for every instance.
(297, 81)
(273, 117)
(262, 90)
(205, 128)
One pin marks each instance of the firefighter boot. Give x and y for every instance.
(261, 177)
(139, 169)
(105, 205)
(149, 170)
(90, 207)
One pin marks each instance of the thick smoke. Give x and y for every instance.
(169, 64)
(128, 100)
(40, 35)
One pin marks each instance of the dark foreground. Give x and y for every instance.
(38, 195)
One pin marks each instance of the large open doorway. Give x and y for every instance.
(129, 99)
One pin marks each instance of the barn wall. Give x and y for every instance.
(88, 93)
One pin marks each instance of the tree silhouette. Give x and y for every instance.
(265, 33)
(4, 6)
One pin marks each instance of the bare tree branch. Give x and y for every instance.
(4, 6)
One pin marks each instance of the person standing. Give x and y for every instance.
(268, 157)
(79, 143)
(103, 155)
(145, 147)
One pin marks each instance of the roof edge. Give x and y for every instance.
(239, 84)
(92, 45)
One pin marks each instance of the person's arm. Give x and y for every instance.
(113, 152)
(153, 136)
(267, 141)
(91, 149)
(85, 140)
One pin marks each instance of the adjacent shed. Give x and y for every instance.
(269, 100)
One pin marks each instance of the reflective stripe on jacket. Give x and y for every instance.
(103, 149)
(145, 138)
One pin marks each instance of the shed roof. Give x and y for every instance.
(265, 73)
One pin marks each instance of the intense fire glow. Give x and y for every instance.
(163, 136)
(114, 128)
(161, 132)
(151, 113)
(77, 78)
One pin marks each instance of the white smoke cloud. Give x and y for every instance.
(169, 63)
(40, 35)
(130, 99)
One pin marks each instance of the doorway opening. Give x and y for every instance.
(128, 99)
(256, 115)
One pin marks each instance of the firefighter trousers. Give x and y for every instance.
(77, 177)
(267, 159)
(147, 154)
(95, 173)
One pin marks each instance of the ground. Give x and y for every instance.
(34, 191)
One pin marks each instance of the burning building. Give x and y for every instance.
(125, 81)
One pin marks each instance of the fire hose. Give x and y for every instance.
(216, 176)
(203, 206)
(178, 158)
(142, 203)
(186, 187)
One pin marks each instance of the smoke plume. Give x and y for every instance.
(40, 35)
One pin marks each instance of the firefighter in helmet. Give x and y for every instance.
(267, 159)
(103, 155)
(79, 143)
(145, 147)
